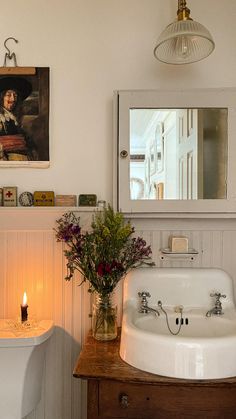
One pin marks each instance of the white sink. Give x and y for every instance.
(205, 348)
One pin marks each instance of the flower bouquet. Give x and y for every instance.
(103, 255)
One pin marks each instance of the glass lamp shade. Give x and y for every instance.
(184, 42)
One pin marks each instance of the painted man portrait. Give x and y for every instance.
(24, 118)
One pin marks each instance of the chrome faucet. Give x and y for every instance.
(144, 308)
(217, 309)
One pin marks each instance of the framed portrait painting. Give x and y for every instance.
(24, 118)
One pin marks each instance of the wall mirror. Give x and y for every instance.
(175, 151)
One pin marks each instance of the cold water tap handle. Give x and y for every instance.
(218, 295)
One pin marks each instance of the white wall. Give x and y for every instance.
(94, 47)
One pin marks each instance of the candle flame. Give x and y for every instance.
(24, 299)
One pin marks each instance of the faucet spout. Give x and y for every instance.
(147, 309)
(210, 312)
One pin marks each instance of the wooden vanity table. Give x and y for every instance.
(117, 390)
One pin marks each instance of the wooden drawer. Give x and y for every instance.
(135, 401)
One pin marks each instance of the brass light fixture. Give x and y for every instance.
(184, 41)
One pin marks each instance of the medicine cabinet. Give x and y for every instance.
(175, 151)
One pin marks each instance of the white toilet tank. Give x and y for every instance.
(22, 355)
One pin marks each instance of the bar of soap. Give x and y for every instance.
(178, 244)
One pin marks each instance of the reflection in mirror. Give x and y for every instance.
(178, 153)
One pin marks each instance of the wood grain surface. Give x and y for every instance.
(101, 360)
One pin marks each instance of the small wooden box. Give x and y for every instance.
(10, 196)
(65, 200)
(43, 199)
(88, 200)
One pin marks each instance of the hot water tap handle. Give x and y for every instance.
(144, 295)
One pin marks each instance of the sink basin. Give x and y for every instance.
(198, 325)
(205, 347)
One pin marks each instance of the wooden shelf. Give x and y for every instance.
(45, 208)
(39, 218)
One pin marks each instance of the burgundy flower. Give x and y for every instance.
(107, 268)
(117, 266)
(100, 269)
(104, 268)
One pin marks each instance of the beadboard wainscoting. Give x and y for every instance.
(213, 238)
(31, 260)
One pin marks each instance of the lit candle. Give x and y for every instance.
(24, 306)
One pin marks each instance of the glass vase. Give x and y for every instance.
(104, 317)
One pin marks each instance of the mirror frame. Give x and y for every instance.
(124, 100)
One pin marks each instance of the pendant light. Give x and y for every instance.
(184, 41)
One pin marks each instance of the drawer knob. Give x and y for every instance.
(124, 400)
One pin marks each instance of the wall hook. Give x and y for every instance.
(8, 54)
